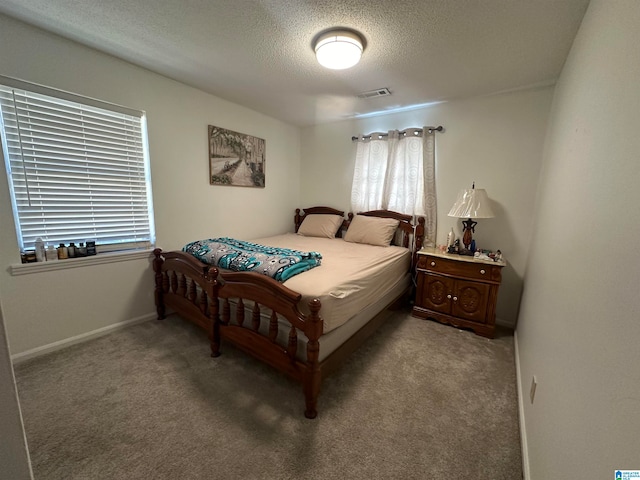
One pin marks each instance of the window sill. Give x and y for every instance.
(99, 259)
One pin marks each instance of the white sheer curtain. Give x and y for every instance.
(369, 174)
(396, 171)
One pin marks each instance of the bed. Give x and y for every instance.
(306, 326)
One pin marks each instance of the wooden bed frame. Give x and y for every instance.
(201, 294)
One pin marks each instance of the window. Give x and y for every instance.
(77, 168)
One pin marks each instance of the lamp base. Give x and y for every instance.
(467, 238)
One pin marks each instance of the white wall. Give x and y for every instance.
(14, 455)
(579, 327)
(496, 141)
(48, 307)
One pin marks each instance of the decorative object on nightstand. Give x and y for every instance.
(451, 237)
(458, 290)
(472, 203)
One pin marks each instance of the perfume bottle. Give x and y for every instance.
(451, 238)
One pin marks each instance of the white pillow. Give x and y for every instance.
(371, 230)
(320, 225)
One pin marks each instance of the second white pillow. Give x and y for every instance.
(371, 230)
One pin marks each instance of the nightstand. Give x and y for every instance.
(458, 290)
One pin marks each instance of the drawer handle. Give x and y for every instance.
(455, 299)
(482, 272)
(449, 297)
(433, 264)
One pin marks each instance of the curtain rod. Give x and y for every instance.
(439, 128)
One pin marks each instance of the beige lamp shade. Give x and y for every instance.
(472, 203)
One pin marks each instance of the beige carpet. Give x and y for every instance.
(418, 400)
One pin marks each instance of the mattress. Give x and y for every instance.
(352, 276)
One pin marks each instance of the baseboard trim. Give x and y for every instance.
(523, 429)
(505, 323)
(83, 337)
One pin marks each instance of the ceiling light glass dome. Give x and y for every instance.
(338, 49)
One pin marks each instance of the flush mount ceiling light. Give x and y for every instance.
(338, 48)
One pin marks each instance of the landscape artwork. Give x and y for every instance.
(235, 158)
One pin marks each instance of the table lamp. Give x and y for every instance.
(472, 203)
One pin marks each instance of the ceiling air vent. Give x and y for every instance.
(380, 92)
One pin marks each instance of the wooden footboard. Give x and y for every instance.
(185, 285)
(215, 300)
(280, 303)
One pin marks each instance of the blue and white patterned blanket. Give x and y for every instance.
(240, 256)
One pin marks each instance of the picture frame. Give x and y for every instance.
(236, 159)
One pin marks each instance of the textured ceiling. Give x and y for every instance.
(258, 53)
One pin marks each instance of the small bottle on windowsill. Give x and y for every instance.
(51, 253)
(91, 247)
(40, 250)
(63, 252)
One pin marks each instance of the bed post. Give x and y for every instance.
(418, 239)
(214, 309)
(159, 292)
(312, 377)
(297, 220)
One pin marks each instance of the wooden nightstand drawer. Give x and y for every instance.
(476, 271)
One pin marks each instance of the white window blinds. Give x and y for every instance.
(76, 171)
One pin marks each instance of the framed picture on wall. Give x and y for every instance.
(236, 159)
